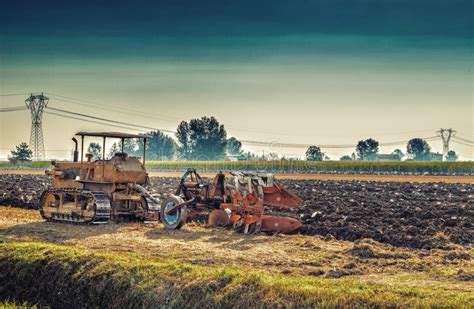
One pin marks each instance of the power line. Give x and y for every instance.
(276, 144)
(461, 143)
(147, 115)
(108, 108)
(92, 121)
(463, 139)
(12, 109)
(102, 106)
(12, 94)
(256, 143)
(108, 120)
(134, 127)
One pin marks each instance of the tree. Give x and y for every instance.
(398, 153)
(418, 149)
(202, 139)
(314, 153)
(367, 150)
(130, 146)
(114, 149)
(345, 158)
(273, 156)
(182, 134)
(452, 156)
(250, 156)
(21, 153)
(158, 147)
(234, 147)
(95, 149)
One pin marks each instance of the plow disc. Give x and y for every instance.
(218, 218)
(282, 225)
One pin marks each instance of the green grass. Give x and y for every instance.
(15, 305)
(62, 276)
(26, 165)
(298, 166)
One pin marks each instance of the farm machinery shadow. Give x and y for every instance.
(62, 233)
(58, 232)
(217, 236)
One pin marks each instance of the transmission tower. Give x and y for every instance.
(36, 104)
(446, 135)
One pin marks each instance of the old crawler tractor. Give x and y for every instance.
(240, 202)
(96, 191)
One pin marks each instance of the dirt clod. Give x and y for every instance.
(465, 276)
(338, 273)
(457, 256)
(350, 266)
(316, 273)
(362, 252)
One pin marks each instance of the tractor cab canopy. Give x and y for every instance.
(105, 135)
(112, 134)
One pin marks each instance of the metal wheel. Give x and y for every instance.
(47, 201)
(176, 219)
(218, 218)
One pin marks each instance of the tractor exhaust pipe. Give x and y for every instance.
(76, 153)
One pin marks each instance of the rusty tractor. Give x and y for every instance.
(98, 190)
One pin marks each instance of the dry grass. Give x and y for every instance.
(63, 276)
(280, 255)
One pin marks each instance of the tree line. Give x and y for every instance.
(418, 149)
(205, 139)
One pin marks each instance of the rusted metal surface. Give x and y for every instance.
(218, 218)
(279, 196)
(283, 225)
(116, 181)
(238, 199)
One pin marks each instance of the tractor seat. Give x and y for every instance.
(122, 155)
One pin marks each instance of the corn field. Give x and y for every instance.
(320, 167)
(295, 166)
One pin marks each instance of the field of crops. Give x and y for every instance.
(355, 167)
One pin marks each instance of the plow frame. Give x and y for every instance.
(242, 204)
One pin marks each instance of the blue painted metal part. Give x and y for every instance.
(173, 217)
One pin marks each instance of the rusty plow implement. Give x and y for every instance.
(239, 199)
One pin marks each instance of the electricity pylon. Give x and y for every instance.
(446, 135)
(36, 104)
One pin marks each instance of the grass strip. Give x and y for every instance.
(62, 276)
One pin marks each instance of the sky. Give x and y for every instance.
(303, 71)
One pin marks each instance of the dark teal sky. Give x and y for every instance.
(312, 71)
(190, 30)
